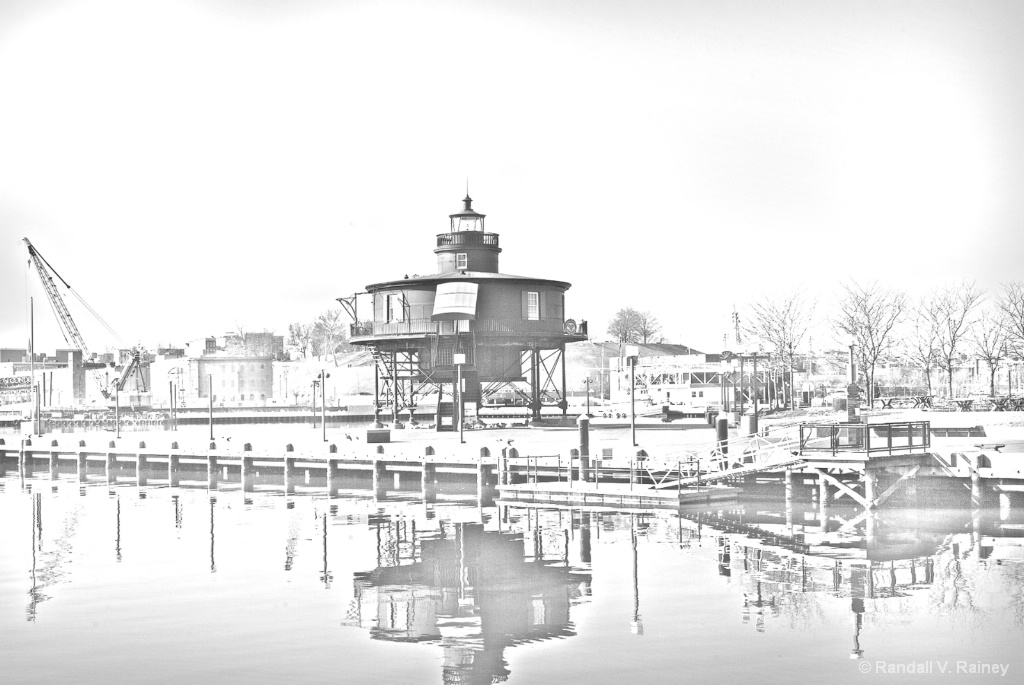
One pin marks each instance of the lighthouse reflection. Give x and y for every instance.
(473, 592)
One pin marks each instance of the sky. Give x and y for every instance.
(192, 167)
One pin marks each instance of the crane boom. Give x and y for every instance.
(56, 301)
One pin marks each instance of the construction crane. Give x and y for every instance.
(67, 324)
(68, 327)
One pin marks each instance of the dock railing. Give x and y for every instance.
(639, 472)
(885, 438)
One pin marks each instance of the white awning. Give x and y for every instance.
(455, 301)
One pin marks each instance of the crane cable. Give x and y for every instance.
(96, 314)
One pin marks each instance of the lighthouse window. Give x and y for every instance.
(461, 261)
(533, 306)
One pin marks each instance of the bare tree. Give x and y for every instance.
(783, 323)
(869, 314)
(299, 335)
(1012, 306)
(625, 326)
(952, 309)
(988, 338)
(329, 330)
(647, 326)
(921, 342)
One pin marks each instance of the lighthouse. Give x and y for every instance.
(497, 333)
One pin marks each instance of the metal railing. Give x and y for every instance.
(638, 472)
(467, 238)
(426, 326)
(865, 437)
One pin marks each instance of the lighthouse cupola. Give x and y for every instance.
(468, 219)
(467, 247)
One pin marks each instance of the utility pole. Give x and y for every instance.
(323, 400)
(631, 360)
(210, 393)
(32, 357)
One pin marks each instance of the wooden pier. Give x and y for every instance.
(614, 495)
(378, 475)
(869, 464)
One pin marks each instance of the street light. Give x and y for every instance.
(588, 381)
(852, 391)
(459, 359)
(726, 367)
(322, 380)
(631, 360)
(315, 384)
(792, 379)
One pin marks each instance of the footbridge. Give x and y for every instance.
(821, 449)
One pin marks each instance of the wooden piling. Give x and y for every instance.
(428, 482)
(289, 475)
(211, 470)
(248, 468)
(140, 469)
(485, 479)
(53, 466)
(173, 464)
(823, 503)
(870, 484)
(789, 500)
(976, 493)
(109, 468)
(333, 477)
(25, 460)
(379, 471)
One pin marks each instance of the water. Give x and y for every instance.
(157, 584)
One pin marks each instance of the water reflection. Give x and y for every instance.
(472, 591)
(475, 582)
(907, 553)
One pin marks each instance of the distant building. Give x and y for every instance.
(12, 355)
(232, 378)
(60, 379)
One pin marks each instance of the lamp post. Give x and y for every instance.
(322, 379)
(852, 391)
(587, 381)
(792, 380)
(743, 388)
(725, 367)
(753, 382)
(459, 359)
(209, 385)
(316, 383)
(632, 360)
